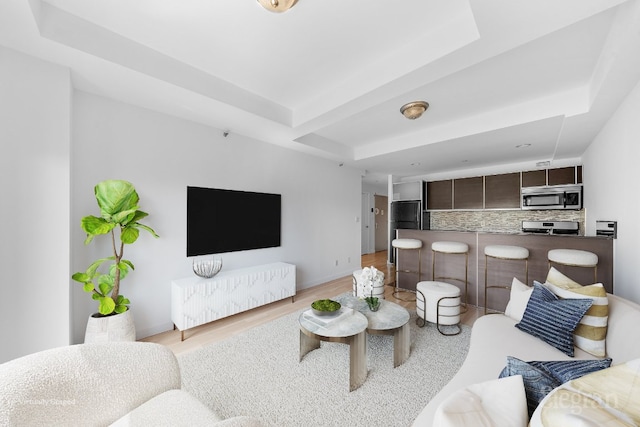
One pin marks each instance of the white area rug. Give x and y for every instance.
(258, 373)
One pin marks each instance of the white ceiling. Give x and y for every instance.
(328, 77)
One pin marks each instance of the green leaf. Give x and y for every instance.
(105, 288)
(88, 287)
(124, 217)
(115, 196)
(129, 235)
(106, 305)
(144, 227)
(107, 278)
(94, 226)
(120, 309)
(81, 277)
(93, 268)
(129, 263)
(139, 215)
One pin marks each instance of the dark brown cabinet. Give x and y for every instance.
(534, 178)
(468, 193)
(579, 175)
(502, 191)
(439, 195)
(562, 176)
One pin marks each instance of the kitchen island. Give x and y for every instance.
(501, 272)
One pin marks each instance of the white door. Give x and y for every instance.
(366, 232)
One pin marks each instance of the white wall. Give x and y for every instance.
(161, 156)
(35, 103)
(611, 173)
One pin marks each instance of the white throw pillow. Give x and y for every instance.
(520, 294)
(495, 403)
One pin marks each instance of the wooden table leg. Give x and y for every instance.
(401, 345)
(357, 360)
(307, 344)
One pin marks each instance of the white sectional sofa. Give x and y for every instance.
(100, 384)
(494, 337)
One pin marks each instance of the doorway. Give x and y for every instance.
(381, 217)
(366, 236)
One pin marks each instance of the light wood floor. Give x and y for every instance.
(221, 329)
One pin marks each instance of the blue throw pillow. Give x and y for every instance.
(551, 319)
(541, 377)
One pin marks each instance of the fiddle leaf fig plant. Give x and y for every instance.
(119, 218)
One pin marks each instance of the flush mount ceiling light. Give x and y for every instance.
(413, 110)
(277, 6)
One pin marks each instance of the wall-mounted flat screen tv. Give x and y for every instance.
(221, 221)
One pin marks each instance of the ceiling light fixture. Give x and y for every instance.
(413, 110)
(277, 6)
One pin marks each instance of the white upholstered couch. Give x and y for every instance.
(126, 383)
(494, 337)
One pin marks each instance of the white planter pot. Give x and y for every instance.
(118, 327)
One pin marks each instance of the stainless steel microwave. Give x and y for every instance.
(552, 197)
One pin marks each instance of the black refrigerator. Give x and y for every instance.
(406, 215)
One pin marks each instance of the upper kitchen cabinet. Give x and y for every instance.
(579, 175)
(535, 178)
(408, 190)
(502, 191)
(562, 176)
(440, 195)
(468, 193)
(556, 176)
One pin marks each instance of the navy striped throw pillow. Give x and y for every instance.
(551, 319)
(540, 377)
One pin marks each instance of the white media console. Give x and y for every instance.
(196, 301)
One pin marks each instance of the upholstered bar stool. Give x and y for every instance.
(452, 248)
(406, 245)
(439, 303)
(574, 258)
(503, 252)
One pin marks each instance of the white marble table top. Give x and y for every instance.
(345, 323)
(389, 316)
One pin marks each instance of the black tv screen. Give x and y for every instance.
(221, 221)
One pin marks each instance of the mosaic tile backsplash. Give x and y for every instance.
(507, 221)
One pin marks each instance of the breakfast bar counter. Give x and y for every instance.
(502, 273)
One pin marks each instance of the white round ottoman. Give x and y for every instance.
(574, 258)
(439, 303)
(360, 285)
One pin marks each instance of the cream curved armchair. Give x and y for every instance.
(99, 384)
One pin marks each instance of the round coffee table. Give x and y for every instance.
(347, 327)
(390, 319)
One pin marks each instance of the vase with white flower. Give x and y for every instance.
(373, 302)
(369, 284)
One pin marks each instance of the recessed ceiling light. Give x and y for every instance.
(523, 145)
